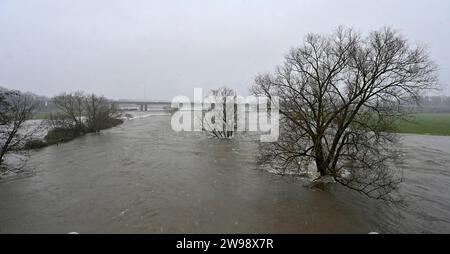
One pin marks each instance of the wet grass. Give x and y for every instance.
(426, 123)
(41, 115)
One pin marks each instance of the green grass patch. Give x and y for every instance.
(426, 123)
(41, 115)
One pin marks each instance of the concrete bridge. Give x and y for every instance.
(143, 105)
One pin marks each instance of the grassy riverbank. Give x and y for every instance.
(427, 123)
(41, 115)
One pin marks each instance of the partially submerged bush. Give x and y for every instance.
(61, 135)
(78, 114)
(35, 144)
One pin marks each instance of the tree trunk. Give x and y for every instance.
(7, 143)
(318, 152)
(321, 168)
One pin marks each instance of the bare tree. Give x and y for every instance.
(84, 112)
(72, 108)
(223, 121)
(99, 112)
(339, 97)
(15, 109)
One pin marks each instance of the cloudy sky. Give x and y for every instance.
(160, 49)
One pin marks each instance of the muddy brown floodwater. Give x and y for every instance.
(142, 177)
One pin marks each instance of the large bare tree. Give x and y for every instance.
(340, 95)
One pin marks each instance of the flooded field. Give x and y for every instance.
(142, 177)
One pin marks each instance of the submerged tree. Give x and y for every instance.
(340, 96)
(220, 118)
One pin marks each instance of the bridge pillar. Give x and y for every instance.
(141, 107)
(146, 107)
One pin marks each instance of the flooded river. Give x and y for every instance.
(141, 177)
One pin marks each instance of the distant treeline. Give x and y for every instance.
(43, 103)
(432, 104)
(427, 104)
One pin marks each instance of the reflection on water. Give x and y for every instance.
(142, 177)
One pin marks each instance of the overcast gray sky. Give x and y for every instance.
(159, 49)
